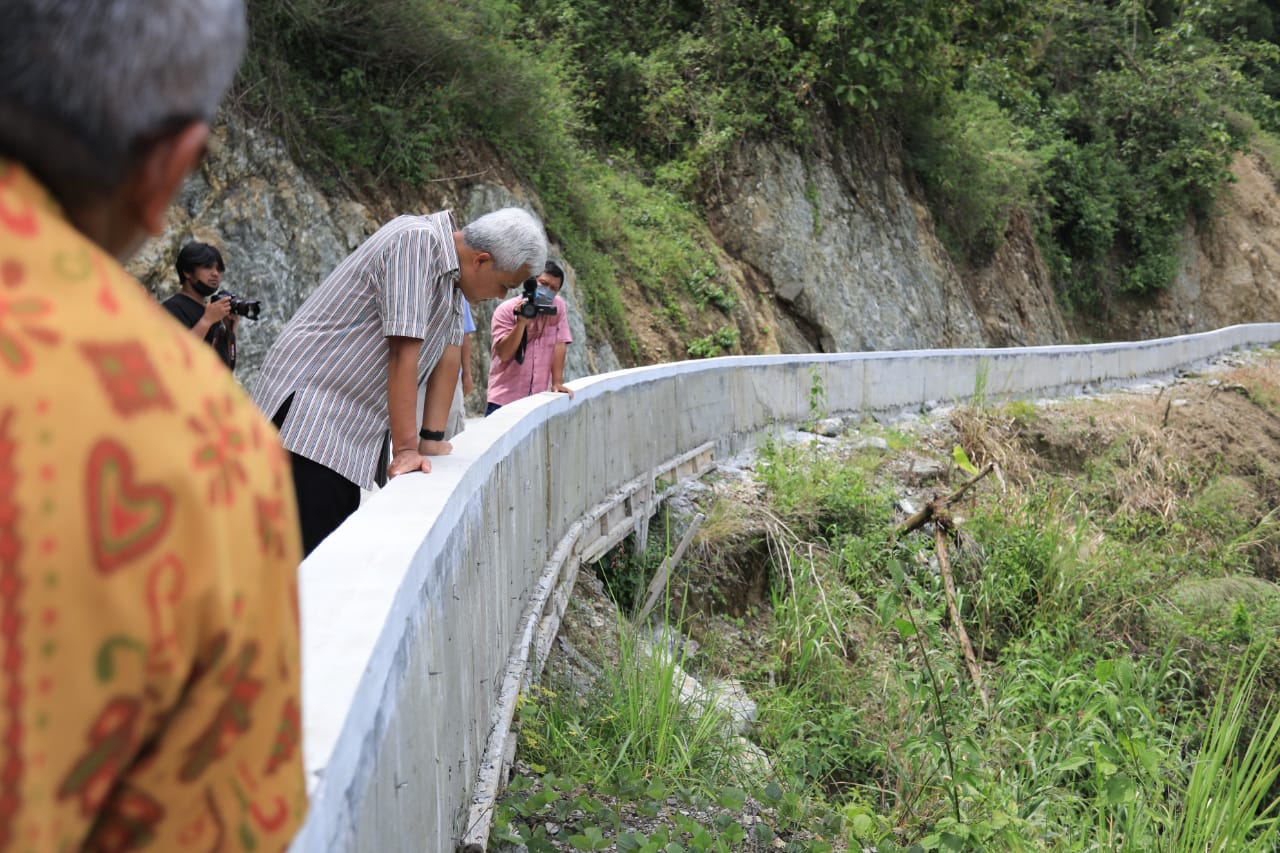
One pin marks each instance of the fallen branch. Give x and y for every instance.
(1235, 387)
(659, 582)
(962, 636)
(935, 508)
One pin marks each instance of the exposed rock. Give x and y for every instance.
(845, 248)
(1013, 294)
(871, 442)
(830, 427)
(727, 700)
(732, 698)
(920, 469)
(824, 248)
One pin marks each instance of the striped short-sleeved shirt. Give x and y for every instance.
(332, 356)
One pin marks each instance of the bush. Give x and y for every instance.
(832, 499)
(387, 87)
(976, 168)
(1017, 558)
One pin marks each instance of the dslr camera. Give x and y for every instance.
(247, 308)
(538, 300)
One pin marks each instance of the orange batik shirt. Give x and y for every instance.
(149, 693)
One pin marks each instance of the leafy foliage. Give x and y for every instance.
(387, 87)
(1112, 126)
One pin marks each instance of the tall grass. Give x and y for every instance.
(1231, 802)
(642, 717)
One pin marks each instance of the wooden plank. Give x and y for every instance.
(659, 582)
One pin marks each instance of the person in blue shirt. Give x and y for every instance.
(458, 411)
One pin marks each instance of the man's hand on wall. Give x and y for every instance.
(563, 389)
(408, 460)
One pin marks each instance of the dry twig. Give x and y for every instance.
(962, 636)
(936, 507)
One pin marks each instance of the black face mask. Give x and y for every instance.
(205, 290)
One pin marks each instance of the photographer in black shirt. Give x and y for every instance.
(200, 270)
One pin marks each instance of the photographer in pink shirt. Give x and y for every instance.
(530, 339)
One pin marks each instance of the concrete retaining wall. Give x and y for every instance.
(425, 604)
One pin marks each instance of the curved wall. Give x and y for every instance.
(424, 613)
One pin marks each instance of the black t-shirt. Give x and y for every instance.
(189, 312)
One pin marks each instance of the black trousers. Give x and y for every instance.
(325, 497)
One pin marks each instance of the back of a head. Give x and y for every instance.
(84, 84)
(512, 235)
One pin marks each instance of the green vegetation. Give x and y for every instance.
(1118, 597)
(722, 339)
(1109, 126)
(817, 395)
(635, 726)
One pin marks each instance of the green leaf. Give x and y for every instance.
(629, 842)
(962, 460)
(1120, 790)
(591, 838)
(732, 798)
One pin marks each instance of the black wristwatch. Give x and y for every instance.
(431, 434)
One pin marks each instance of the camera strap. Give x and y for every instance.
(231, 349)
(524, 339)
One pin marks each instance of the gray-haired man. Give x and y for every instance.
(347, 367)
(148, 536)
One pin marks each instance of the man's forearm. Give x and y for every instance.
(402, 392)
(505, 347)
(557, 364)
(440, 385)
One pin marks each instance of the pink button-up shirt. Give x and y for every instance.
(510, 381)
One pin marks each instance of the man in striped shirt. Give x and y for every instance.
(347, 367)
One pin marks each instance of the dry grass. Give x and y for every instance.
(990, 436)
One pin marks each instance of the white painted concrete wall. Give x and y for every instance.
(412, 608)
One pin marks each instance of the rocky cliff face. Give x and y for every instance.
(278, 231)
(846, 252)
(827, 248)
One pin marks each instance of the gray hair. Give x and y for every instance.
(513, 236)
(84, 84)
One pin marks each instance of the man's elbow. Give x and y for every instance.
(403, 349)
